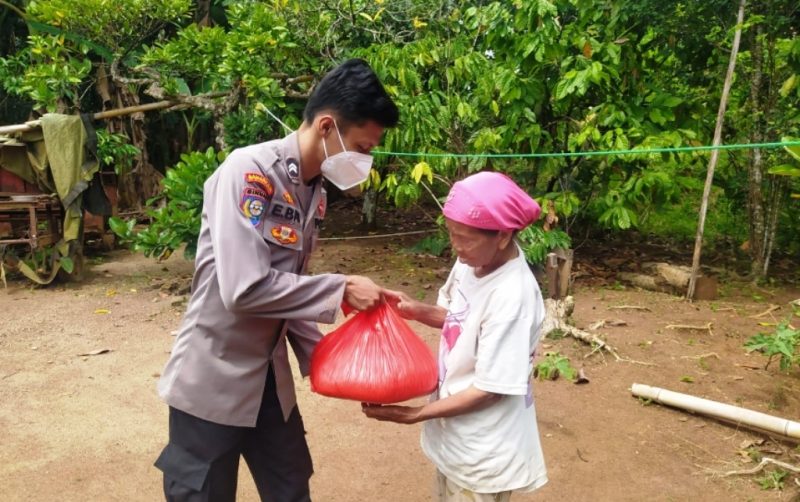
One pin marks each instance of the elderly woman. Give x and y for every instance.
(480, 426)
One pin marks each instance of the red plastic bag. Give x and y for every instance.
(374, 357)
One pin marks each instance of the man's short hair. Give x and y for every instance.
(353, 93)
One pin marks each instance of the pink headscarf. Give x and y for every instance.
(491, 201)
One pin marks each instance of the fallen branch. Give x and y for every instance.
(764, 462)
(772, 308)
(629, 307)
(602, 323)
(556, 313)
(702, 356)
(706, 327)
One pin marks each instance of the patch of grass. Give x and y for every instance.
(779, 400)
(687, 379)
(433, 244)
(556, 334)
(773, 480)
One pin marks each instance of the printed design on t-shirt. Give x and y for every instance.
(284, 234)
(260, 181)
(451, 331)
(253, 204)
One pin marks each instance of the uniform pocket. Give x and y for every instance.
(183, 467)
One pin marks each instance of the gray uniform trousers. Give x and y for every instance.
(201, 461)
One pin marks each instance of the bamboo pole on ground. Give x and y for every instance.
(712, 163)
(735, 414)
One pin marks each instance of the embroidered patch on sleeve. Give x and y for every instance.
(253, 204)
(284, 234)
(261, 181)
(288, 198)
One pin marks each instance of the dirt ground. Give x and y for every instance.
(88, 427)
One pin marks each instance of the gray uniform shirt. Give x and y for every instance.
(249, 292)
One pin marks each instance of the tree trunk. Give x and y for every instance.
(777, 191)
(369, 210)
(202, 16)
(712, 163)
(142, 181)
(755, 175)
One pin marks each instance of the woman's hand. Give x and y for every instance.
(406, 306)
(392, 413)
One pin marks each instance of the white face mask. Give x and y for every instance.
(346, 169)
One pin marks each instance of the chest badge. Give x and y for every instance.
(284, 234)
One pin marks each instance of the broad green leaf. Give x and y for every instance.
(420, 170)
(785, 170)
(793, 150)
(788, 85)
(67, 264)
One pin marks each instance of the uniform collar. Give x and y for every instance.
(290, 157)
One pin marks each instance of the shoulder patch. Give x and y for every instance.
(253, 204)
(261, 181)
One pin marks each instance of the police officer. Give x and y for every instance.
(228, 383)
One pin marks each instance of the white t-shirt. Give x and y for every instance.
(488, 339)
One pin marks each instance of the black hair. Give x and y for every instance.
(353, 93)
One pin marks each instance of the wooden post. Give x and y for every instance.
(564, 271)
(551, 269)
(712, 163)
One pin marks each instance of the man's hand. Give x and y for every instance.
(397, 414)
(361, 293)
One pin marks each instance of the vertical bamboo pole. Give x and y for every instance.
(712, 163)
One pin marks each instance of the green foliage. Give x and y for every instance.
(433, 244)
(471, 77)
(536, 243)
(47, 71)
(554, 365)
(118, 26)
(175, 217)
(115, 150)
(782, 343)
(773, 480)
